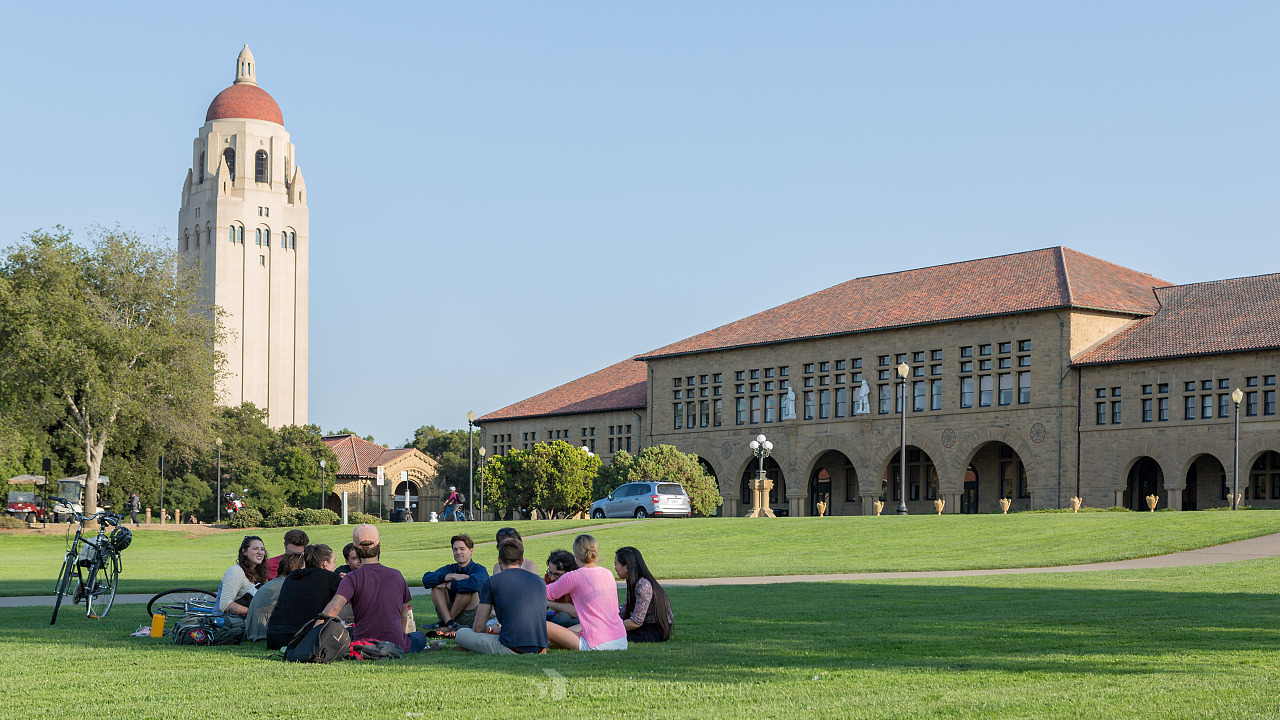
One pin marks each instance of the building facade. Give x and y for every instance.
(244, 223)
(1032, 377)
(410, 479)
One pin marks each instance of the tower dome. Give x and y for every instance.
(244, 99)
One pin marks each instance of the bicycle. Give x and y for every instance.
(455, 513)
(94, 562)
(182, 603)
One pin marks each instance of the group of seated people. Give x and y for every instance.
(509, 610)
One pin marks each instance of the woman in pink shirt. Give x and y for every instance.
(595, 598)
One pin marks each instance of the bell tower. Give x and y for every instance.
(243, 222)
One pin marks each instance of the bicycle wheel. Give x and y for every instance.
(174, 602)
(62, 585)
(101, 591)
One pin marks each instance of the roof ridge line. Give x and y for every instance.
(1066, 276)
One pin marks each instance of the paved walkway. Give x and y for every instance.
(1259, 547)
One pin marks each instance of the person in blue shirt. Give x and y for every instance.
(455, 588)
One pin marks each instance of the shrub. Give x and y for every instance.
(316, 516)
(9, 522)
(359, 518)
(247, 518)
(1227, 508)
(284, 517)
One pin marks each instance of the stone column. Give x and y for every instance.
(730, 507)
(1173, 497)
(798, 505)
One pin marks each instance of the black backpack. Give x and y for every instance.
(212, 630)
(321, 642)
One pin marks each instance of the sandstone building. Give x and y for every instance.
(243, 222)
(1034, 376)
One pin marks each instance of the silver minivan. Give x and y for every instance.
(644, 499)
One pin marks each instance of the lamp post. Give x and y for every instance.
(1236, 396)
(761, 448)
(322, 466)
(471, 473)
(217, 500)
(903, 370)
(481, 450)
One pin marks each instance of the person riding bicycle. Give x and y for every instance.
(453, 503)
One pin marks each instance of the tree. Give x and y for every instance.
(450, 448)
(114, 338)
(664, 463)
(555, 478)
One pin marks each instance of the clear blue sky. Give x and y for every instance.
(507, 196)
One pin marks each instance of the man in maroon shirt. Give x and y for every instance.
(379, 596)
(295, 541)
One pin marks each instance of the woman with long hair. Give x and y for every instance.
(303, 595)
(647, 613)
(243, 579)
(594, 595)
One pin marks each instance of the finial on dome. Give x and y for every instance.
(245, 69)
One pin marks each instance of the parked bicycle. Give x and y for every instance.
(182, 603)
(91, 567)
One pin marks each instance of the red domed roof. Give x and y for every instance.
(244, 101)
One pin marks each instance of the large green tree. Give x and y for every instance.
(554, 478)
(663, 463)
(105, 340)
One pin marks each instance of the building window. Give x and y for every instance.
(755, 409)
(1006, 348)
(704, 413)
(770, 408)
(1115, 412)
(1268, 402)
(717, 412)
(839, 365)
(966, 366)
(611, 444)
(966, 351)
(883, 360)
(1206, 407)
(1146, 409)
(1102, 414)
(755, 375)
(740, 411)
(1162, 409)
(808, 405)
(1005, 363)
(885, 396)
(1251, 403)
(1189, 407)
(260, 166)
(917, 396)
(229, 157)
(691, 415)
(740, 375)
(984, 349)
(842, 402)
(702, 379)
(1006, 389)
(1224, 405)
(258, 241)
(824, 404)
(985, 388)
(966, 392)
(935, 394)
(1024, 388)
(266, 238)
(679, 423)
(1024, 346)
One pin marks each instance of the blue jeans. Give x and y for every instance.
(417, 641)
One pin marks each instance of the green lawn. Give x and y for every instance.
(718, 547)
(1197, 642)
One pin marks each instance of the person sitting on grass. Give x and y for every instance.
(560, 562)
(264, 601)
(503, 534)
(353, 560)
(455, 588)
(517, 599)
(295, 541)
(379, 597)
(595, 599)
(243, 579)
(647, 612)
(304, 594)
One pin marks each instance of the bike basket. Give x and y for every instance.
(120, 538)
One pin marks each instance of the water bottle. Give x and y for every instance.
(219, 621)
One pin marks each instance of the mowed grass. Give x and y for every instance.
(716, 547)
(1199, 642)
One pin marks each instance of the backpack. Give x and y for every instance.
(319, 643)
(210, 630)
(375, 650)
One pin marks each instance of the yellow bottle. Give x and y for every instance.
(157, 625)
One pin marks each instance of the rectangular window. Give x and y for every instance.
(1146, 410)
(690, 380)
(1102, 392)
(839, 379)
(1268, 379)
(691, 412)
(1005, 363)
(770, 408)
(1190, 386)
(768, 372)
(784, 371)
(610, 444)
(739, 388)
(1024, 361)
(740, 411)
(1115, 412)
(677, 382)
(1268, 402)
(1115, 392)
(808, 368)
(899, 358)
(1024, 388)
(856, 364)
(1206, 407)
(628, 443)
(935, 394)
(824, 380)
(1162, 388)
(716, 378)
(885, 397)
(917, 371)
(840, 364)
(917, 356)
(755, 409)
(1102, 414)
(966, 366)
(966, 351)
(1006, 348)
(1251, 403)
(1146, 389)
(1224, 384)
(966, 392)
(1189, 407)
(1224, 405)
(883, 360)
(984, 349)
(824, 404)
(704, 414)
(918, 396)
(984, 364)
(702, 379)
(935, 355)
(985, 388)
(1251, 381)
(808, 405)
(935, 369)
(679, 415)
(1162, 409)
(1024, 346)
(842, 402)
(1006, 389)
(717, 413)
(740, 375)
(808, 382)
(824, 367)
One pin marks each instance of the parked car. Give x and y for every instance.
(25, 506)
(642, 499)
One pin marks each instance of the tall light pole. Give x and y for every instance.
(471, 472)
(481, 449)
(761, 448)
(217, 501)
(1236, 396)
(322, 466)
(903, 370)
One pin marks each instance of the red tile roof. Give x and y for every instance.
(1236, 315)
(1022, 282)
(620, 386)
(360, 458)
(244, 101)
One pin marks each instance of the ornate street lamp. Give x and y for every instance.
(481, 449)
(217, 500)
(471, 463)
(903, 370)
(1236, 396)
(761, 448)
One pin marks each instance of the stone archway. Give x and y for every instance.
(1264, 481)
(921, 482)
(832, 474)
(1145, 477)
(777, 495)
(998, 472)
(1203, 481)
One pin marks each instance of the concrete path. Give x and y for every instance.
(1259, 547)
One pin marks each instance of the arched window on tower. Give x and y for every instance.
(201, 173)
(260, 166)
(197, 238)
(258, 242)
(293, 241)
(185, 241)
(229, 155)
(266, 238)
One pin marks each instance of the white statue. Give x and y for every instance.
(789, 405)
(862, 406)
